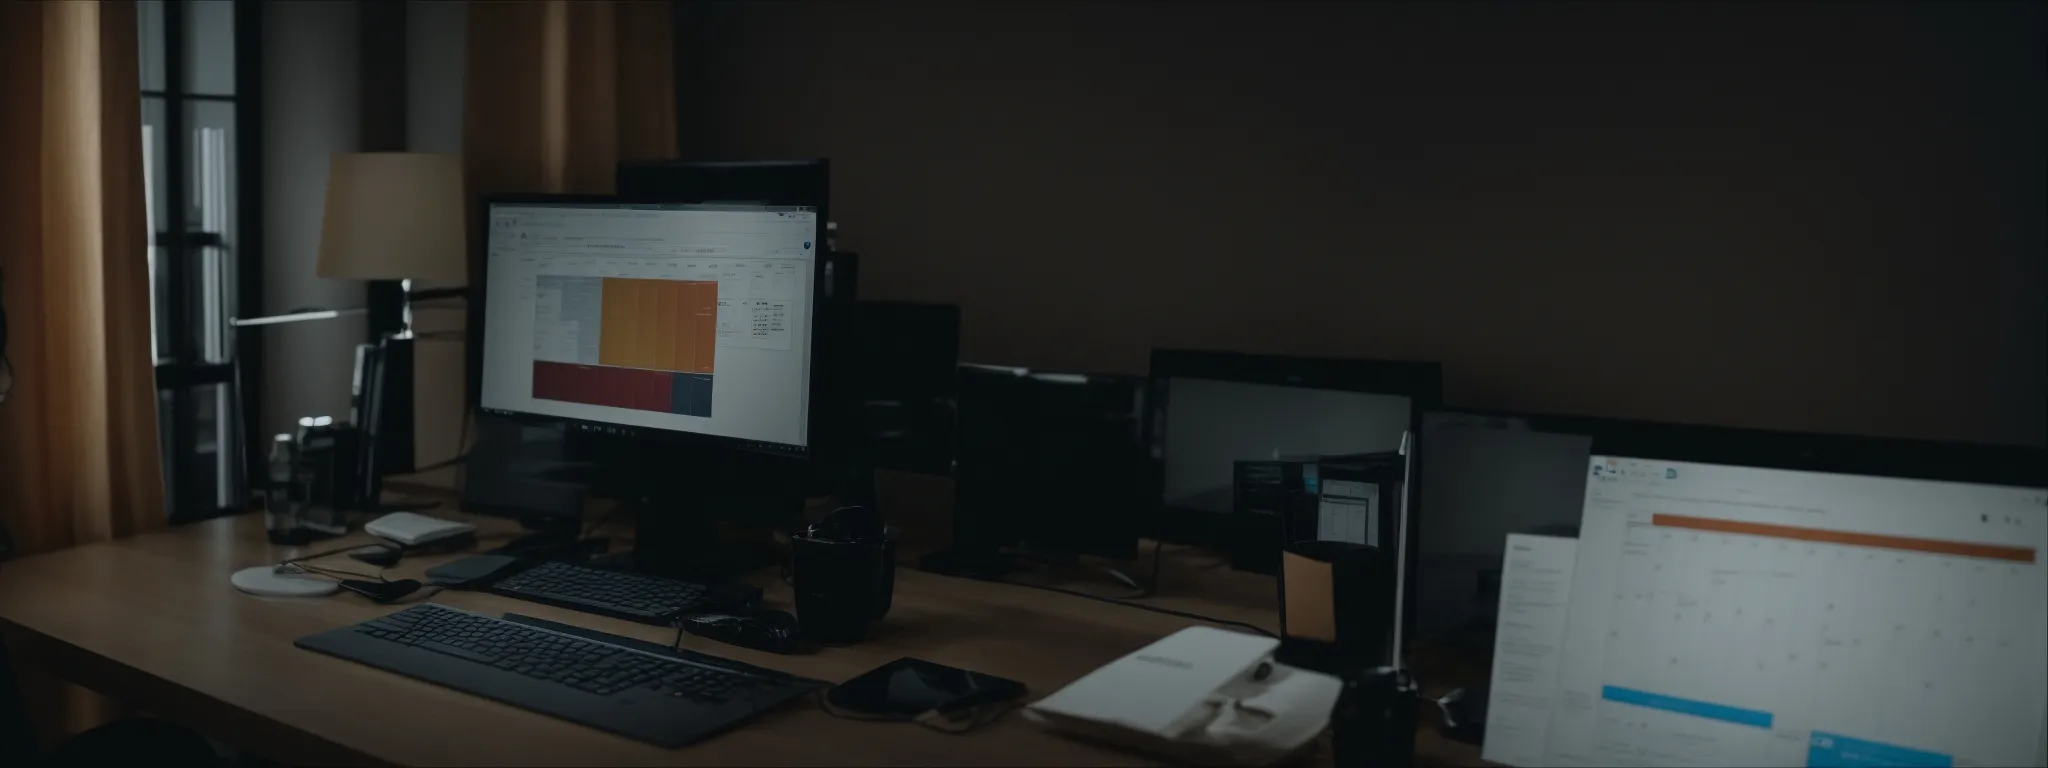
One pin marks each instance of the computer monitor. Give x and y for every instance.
(1209, 410)
(1049, 463)
(1821, 602)
(1480, 476)
(672, 321)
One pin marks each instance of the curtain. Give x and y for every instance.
(559, 92)
(556, 94)
(79, 460)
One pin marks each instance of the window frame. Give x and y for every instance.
(182, 371)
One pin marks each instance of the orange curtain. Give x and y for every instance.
(78, 436)
(78, 444)
(559, 92)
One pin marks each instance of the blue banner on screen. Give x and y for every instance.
(1704, 709)
(1833, 750)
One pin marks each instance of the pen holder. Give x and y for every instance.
(1336, 606)
(843, 586)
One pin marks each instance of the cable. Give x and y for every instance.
(336, 573)
(1152, 608)
(327, 553)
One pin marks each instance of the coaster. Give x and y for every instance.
(265, 581)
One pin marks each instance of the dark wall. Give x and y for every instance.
(1821, 217)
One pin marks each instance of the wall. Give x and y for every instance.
(436, 31)
(310, 112)
(1817, 217)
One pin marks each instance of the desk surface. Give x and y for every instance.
(153, 621)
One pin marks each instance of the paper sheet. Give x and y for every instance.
(1536, 582)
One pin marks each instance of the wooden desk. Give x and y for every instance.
(152, 621)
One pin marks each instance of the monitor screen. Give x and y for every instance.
(1210, 425)
(1480, 478)
(653, 318)
(1733, 615)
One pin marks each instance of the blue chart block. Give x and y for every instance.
(1704, 709)
(690, 394)
(1831, 750)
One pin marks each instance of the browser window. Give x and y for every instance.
(1741, 616)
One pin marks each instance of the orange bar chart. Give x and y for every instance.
(1880, 541)
(664, 325)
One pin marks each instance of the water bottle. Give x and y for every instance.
(280, 515)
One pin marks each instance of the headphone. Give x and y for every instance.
(847, 525)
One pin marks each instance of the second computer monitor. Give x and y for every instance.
(1210, 410)
(653, 320)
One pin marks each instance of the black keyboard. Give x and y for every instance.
(654, 697)
(645, 599)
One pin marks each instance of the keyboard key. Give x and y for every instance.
(435, 645)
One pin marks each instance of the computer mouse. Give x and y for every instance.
(764, 630)
(380, 556)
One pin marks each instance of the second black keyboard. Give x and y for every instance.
(658, 698)
(633, 597)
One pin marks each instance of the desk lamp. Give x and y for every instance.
(391, 218)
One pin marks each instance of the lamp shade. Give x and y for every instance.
(394, 216)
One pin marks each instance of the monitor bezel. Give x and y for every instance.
(1904, 458)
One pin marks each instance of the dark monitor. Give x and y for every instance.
(1049, 462)
(1210, 410)
(1480, 476)
(906, 356)
(689, 322)
(908, 349)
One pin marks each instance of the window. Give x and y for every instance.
(199, 116)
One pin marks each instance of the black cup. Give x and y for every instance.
(1337, 606)
(842, 586)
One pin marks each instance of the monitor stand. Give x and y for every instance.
(711, 524)
(553, 537)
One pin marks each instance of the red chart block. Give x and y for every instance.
(602, 385)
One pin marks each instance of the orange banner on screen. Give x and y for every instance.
(663, 325)
(1796, 533)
